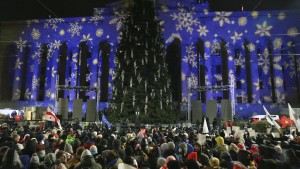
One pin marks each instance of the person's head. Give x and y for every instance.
(93, 150)
(173, 164)
(197, 147)
(61, 155)
(244, 157)
(16, 137)
(11, 157)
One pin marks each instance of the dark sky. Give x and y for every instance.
(37, 9)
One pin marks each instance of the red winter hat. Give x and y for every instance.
(241, 146)
(193, 155)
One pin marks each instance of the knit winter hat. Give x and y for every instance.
(214, 162)
(68, 148)
(35, 159)
(278, 149)
(219, 140)
(170, 145)
(93, 150)
(161, 161)
(86, 152)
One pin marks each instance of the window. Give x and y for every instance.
(261, 85)
(238, 84)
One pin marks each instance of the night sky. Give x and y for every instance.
(44, 9)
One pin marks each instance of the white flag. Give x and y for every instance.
(270, 119)
(205, 127)
(294, 117)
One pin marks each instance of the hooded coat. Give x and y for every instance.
(11, 159)
(87, 160)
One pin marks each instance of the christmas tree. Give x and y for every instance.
(141, 89)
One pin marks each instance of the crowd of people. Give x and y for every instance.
(143, 148)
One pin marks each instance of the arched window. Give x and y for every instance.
(84, 53)
(62, 66)
(173, 59)
(105, 53)
(42, 72)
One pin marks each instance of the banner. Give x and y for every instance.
(104, 120)
(50, 116)
(294, 117)
(270, 119)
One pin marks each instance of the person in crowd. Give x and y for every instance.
(292, 161)
(226, 161)
(11, 160)
(87, 161)
(34, 162)
(75, 159)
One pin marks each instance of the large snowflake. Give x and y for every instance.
(280, 97)
(240, 62)
(18, 64)
(35, 34)
(215, 48)
(27, 94)
(185, 19)
(191, 56)
(236, 36)
(97, 15)
(264, 29)
(193, 80)
(21, 44)
(292, 64)
(119, 18)
(202, 30)
(222, 17)
(75, 29)
(277, 43)
(278, 82)
(56, 44)
(35, 82)
(86, 38)
(264, 61)
(53, 23)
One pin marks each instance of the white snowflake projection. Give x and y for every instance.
(276, 62)
(267, 99)
(17, 94)
(53, 72)
(86, 38)
(193, 80)
(75, 29)
(278, 81)
(263, 29)
(31, 68)
(240, 62)
(88, 77)
(264, 61)
(56, 44)
(99, 32)
(75, 57)
(97, 16)
(222, 17)
(185, 19)
(251, 47)
(173, 36)
(281, 16)
(119, 18)
(277, 43)
(202, 30)
(242, 21)
(293, 32)
(48, 93)
(254, 14)
(191, 56)
(18, 63)
(35, 82)
(27, 94)
(74, 75)
(52, 23)
(215, 48)
(292, 65)
(280, 97)
(218, 77)
(35, 34)
(21, 44)
(207, 80)
(183, 76)
(256, 84)
(236, 36)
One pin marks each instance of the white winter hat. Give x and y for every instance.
(85, 152)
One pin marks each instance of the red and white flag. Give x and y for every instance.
(50, 116)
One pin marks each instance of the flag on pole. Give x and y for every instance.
(205, 127)
(104, 120)
(294, 117)
(50, 116)
(270, 119)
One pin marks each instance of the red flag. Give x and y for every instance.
(50, 116)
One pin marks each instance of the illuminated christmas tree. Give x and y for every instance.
(141, 90)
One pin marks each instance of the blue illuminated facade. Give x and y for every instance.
(259, 47)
